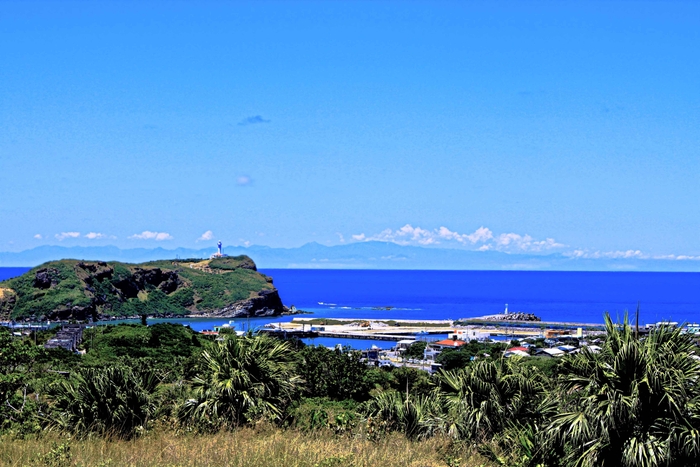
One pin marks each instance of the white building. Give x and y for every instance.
(469, 334)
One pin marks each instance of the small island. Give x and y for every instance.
(222, 286)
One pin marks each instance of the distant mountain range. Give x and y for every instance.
(361, 255)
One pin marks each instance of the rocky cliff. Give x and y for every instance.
(84, 290)
(266, 303)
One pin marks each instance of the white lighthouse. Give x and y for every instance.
(219, 253)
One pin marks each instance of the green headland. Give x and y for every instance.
(72, 289)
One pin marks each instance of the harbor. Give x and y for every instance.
(396, 330)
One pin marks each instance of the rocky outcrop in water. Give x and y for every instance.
(517, 316)
(267, 303)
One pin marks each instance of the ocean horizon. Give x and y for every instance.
(433, 294)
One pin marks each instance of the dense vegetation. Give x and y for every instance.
(70, 289)
(634, 403)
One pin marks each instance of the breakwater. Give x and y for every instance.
(395, 330)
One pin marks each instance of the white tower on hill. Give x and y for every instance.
(218, 254)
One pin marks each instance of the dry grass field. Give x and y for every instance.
(243, 448)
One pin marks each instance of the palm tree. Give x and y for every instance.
(635, 403)
(114, 401)
(416, 416)
(486, 396)
(246, 378)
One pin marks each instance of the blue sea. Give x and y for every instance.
(553, 296)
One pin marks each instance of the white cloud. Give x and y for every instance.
(481, 234)
(148, 235)
(341, 237)
(63, 235)
(96, 236)
(38, 236)
(577, 254)
(208, 235)
(627, 254)
(482, 239)
(406, 235)
(403, 236)
(444, 232)
(516, 242)
(617, 254)
(244, 180)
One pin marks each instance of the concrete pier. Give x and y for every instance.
(395, 330)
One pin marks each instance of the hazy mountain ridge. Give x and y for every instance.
(361, 255)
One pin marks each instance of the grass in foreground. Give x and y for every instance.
(243, 448)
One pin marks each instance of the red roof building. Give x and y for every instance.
(448, 343)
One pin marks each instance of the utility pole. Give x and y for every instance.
(636, 325)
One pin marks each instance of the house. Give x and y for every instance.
(515, 353)
(550, 353)
(371, 355)
(69, 337)
(662, 324)
(469, 334)
(433, 349)
(404, 344)
(554, 333)
(448, 344)
(430, 353)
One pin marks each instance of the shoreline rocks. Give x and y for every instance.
(267, 303)
(518, 316)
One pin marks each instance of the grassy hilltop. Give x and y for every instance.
(72, 289)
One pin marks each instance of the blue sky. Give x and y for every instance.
(569, 127)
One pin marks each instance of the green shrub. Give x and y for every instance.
(319, 412)
(114, 401)
(334, 374)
